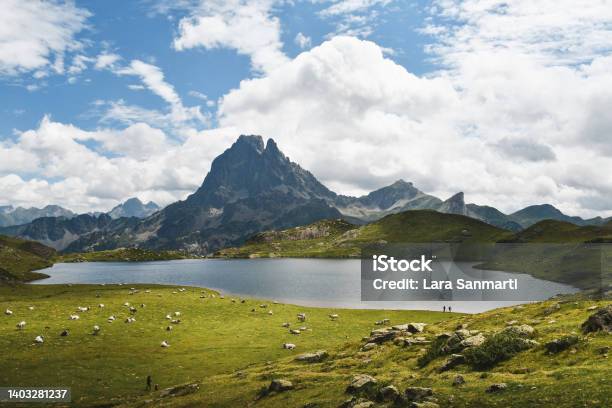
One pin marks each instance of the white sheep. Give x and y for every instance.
(175, 321)
(21, 325)
(301, 317)
(8, 312)
(165, 344)
(101, 305)
(96, 329)
(168, 317)
(30, 307)
(82, 309)
(130, 320)
(74, 317)
(333, 316)
(39, 339)
(168, 328)
(126, 304)
(133, 309)
(147, 291)
(286, 324)
(177, 313)
(270, 312)
(288, 346)
(111, 319)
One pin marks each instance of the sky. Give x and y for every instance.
(507, 101)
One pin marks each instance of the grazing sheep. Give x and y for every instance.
(39, 339)
(333, 316)
(101, 305)
(270, 312)
(82, 309)
(181, 289)
(286, 324)
(177, 313)
(303, 328)
(168, 317)
(242, 301)
(133, 309)
(96, 329)
(142, 305)
(263, 306)
(8, 312)
(165, 344)
(275, 302)
(111, 319)
(233, 300)
(174, 292)
(288, 346)
(168, 328)
(221, 297)
(64, 333)
(130, 320)
(147, 291)
(253, 309)
(294, 331)
(175, 321)
(126, 304)
(301, 317)
(74, 317)
(30, 307)
(21, 325)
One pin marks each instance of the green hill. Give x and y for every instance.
(19, 258)
(553, 231)
(338, 238)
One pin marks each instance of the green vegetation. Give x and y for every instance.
(232, 353)
(339, 239)
(20, 258)
(499, 347)
(122, 255)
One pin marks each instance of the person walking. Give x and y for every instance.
(149, 382)
(443, 308)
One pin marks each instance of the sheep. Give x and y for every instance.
(64, 333)
(181, 289)
(233, 300)
(142, 305)
(221, 297)
(177, 313)
(111, 319)
(275, 302)
(147, 291)
(301, 317)
(263, 306)
(288, 346)
(168, 317)
(130, 320)
(294, 331)
(175, 321)
(8, 312)
(168, 328)
(82, 309)
(126, 304)
(270, 312)
(286, 324)
(21, 325)
(174, 292)
(74, 317)
(30, 307)
(165, 344)
(39, 339)
(101, 305)
(242, 301)
(96, 329)
(333, 316)
(303, 328)
(133, 309)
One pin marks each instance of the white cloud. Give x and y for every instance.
(35, 35)
(106, 60)
(303, 41)
(247, 26)
(353, 17)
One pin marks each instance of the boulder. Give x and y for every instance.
(453, 361)
(369, 346)
(558, 345)
(473, 341)
(410, 327)
(179, 390)
(458, 380)
(389, 393)
(315, 357)
(361, 383)
(424, 404)
(497, 387)
(355, 402)
(280, 385)
(599, 321)
(417, 394)
(523, 330)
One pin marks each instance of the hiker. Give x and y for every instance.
(443, 308)
(149, 382)
(450, 309)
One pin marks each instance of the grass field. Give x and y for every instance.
(233, 352)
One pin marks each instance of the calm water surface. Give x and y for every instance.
(309, 282)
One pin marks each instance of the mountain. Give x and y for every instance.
(16, 216)
(19, 258)
(133, 208)
(536, 213)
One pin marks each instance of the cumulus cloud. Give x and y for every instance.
(247, 26)
(354, 17)
(35, 35)
(303, 41)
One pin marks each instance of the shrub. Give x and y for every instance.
(497, 348)
(435, 350)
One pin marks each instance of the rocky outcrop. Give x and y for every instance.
(599, 321)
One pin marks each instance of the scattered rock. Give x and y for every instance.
(523, 330)
(360, 383)
(389, 393)
(453, 361)
(599, 321)
(355, 402)
(473, 341)
(315, 357)
(561, 344)
(280, 385)
(458, 380)
(417, 394)
(369, 346)
(180, 390)
(594, 307)
(410, 327)
(497, 387)
(424, 404)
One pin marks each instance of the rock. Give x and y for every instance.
(364, 404)
(497, 387)
(280, 385)
(417, 394)
(424, 404)
(453, 361)
(369, 346)
(381, 336)
(473, 341)
(410, 327)
(355, 402)
(512, 323)
(523, 330)
(315, 357)
(591, 308)
(445, 335)
(551, 309)
(389, 393)
(561, 344)
(599, 321)
(179, 390)
(458, 380)
(361, 382)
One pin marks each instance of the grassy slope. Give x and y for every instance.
(233, 352)
(215, 337)
(122, 255)
(346, 240)
(19, 258)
